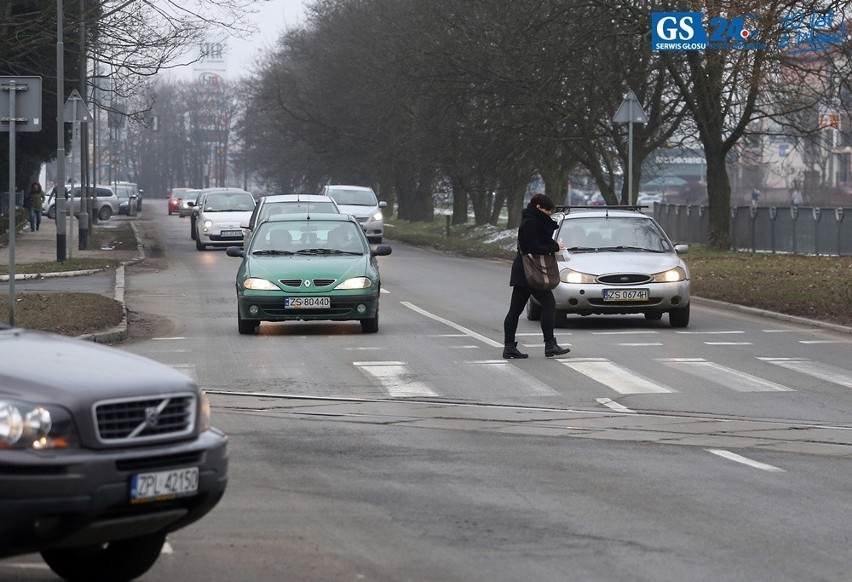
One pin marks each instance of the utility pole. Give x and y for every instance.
(630, 112)
(85, 199)
(60, 137)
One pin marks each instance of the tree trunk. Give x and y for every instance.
(719, 200)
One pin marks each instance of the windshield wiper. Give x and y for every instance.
(272, 252)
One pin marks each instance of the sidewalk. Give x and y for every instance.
(40, 247)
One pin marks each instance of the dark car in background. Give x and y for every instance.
(102, 454)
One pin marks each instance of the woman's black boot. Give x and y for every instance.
(510, 351)
(551, 348)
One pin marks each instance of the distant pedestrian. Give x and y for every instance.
(535, 235)
(35, 205)
(755, 196)
(796, 199)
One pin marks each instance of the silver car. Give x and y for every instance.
(288, 204)
(360, 202)
(618, 261)
(107, 202)
(221, 211)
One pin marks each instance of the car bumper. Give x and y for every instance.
(215, 238)
(343, 308)
(588, 298)
(373, 229)
(82, 497)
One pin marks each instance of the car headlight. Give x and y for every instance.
(355, 283)
(208, 223)
(670, 276)
(24, 425)
(377, 215)
(205, 413)
(259, 284)
(575, 277)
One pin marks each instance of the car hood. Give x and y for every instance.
(359, 211)
(233, 218)
(66, 371)
(600, 263)
(337, 267)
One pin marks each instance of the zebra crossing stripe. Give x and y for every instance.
(395, 378)
(620, 379)
(728, 377)
(813, 369)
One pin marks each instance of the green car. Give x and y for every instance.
(308, 267)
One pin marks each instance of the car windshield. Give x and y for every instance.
(612, 234)
(353, 197)
(228, 202)
(315, 237)
(271, 209)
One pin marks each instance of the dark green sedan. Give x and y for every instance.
(308, 267)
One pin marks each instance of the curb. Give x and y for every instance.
(773, 315)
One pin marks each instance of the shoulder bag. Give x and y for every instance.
(542, 271)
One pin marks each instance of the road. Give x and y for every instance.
(718, 452)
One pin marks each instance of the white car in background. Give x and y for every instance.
(220, 214)
(360, 202)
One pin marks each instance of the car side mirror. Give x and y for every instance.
(190, 204)
(235, 252)
(681, 249)
(380, 250)
(383, 204)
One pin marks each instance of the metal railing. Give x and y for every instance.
(781, 229)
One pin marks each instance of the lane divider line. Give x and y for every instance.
(745, 460)
(461, 328)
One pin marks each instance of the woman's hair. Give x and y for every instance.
(35, 185)
(542, 200)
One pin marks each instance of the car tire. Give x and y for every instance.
(370, 325)
(654, 315)
(170, 212)
(533, 311)
(198, 245)
(105, 213)
(679, 317)
(192, 228)
(246, 326)
(119, 560)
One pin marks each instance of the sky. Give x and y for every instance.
(272, 18)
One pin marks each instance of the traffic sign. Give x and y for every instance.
(76, 109)
(630, 110)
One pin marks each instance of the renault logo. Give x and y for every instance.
(307, 283)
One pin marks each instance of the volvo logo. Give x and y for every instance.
(152, 417)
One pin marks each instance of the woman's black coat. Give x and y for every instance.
(535, 235)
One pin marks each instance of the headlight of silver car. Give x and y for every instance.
(355, 283)
(259, 284)
(575, 277)
(377, 215)
(24, 425)
(670, 276)
(208, 223)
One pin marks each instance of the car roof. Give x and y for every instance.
(209, 190)
(348, 187)
(316, 216)
(600, 211)
(296, 198)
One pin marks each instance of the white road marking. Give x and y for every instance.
(25, 566)
(814, 369)
(728, 343)
(620, 379)
(167, 339)
(464, 330)
(778, 330)
(393, 376)
(519, 378)
(631, 332)
(167, 549)
(708, 332)
(639, 345)
(614, 405)
(364, 349)
(745, 460)
(728, 377)
(464, 347)
(383, 290)
(821, 342)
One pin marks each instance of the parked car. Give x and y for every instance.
(219, 215)
(360, 202)
(134, 189)
(649, 199)
(179, 199)
(128, 200)
(618, 261)
(102, 454)
(107, 202)
(308, 267)
(288, 204)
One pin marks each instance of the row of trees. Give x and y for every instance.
(483, 94)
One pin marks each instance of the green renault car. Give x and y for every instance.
(308, 267)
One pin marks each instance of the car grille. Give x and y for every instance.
(143, 419)
(624, 279)
(298, 282)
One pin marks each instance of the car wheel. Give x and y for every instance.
(679, 317)
(120, 560)
(198, 245)
(560, 319)
(654, 315)
(246, 326)
(192, 228)
(105, 213)
(51, 213)
(170, 212)
(370, 325)
(533, 311)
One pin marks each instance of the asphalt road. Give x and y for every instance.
(719, 452)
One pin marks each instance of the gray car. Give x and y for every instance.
(360, 202)
(106, 202)
(102, 453)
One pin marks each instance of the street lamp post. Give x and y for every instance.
(59, 192)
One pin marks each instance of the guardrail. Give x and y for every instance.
(777, 229)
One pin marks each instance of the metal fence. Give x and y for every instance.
(782, 229)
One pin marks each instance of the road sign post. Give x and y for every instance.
(630, 112)
(21, 97)
(76, 112)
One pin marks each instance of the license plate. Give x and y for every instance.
(236, 233)
(625, 295)
(307, 302)
(163, 485)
